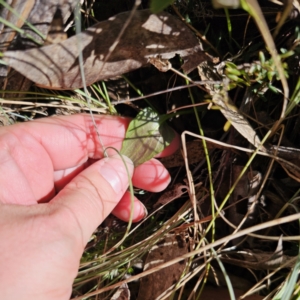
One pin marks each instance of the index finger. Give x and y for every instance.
(71, 140)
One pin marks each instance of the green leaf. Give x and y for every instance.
(157, 6)
(146, 136)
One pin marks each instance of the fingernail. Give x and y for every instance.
(114, 172)
(137, 215)
(140, 216)
(123, 209)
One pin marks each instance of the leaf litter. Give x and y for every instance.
(56, 66)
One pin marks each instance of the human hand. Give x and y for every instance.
(43, 234)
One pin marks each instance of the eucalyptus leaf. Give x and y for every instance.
(146, 136)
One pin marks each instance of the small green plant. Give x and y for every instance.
(263, 71)
(146, 136)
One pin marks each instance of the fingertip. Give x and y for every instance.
(123, 209)
(174, 145)
(113, 171)
(151, 176)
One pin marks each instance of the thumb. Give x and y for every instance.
(90, 197)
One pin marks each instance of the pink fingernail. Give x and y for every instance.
(113, 170)
(122, 211)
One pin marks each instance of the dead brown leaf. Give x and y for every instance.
(6, 33)
(195, 153)
(38, 13)
(171, 194)
(57, 66)
(170, 247)
(56, 33)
